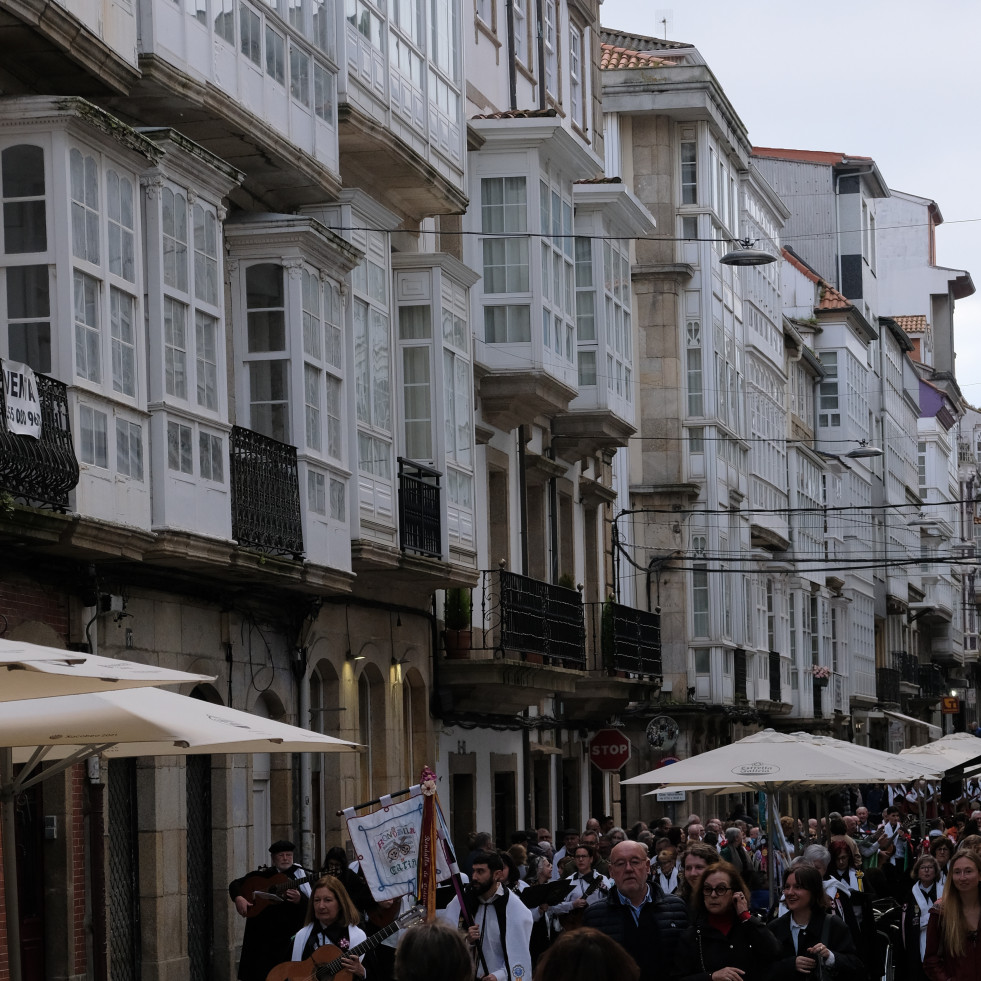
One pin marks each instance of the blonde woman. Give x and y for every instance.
(953, 952)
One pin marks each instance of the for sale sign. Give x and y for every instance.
(21, 398)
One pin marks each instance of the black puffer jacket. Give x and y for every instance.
(703, 949)
(653, 941)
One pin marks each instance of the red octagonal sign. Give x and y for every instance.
(609, 750)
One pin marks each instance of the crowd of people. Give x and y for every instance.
(706, 900)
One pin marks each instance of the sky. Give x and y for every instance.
(896, 81)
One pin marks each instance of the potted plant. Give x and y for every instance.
(457, 622)
(822, 674)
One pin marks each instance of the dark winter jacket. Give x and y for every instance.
(703, 949)
(653, 941)
(848, 965)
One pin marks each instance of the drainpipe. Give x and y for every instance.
(540, 14)
(97, 852)
(306, 774)
(512, 61)
(553, 521)
(522, 501)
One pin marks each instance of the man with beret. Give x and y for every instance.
(267, 932)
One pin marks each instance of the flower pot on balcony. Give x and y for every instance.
(820, 682)
(457, 643)
(458, 635)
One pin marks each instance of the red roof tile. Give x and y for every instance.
(831, 299)
(807, 156)
(912, 323)
(519, 114)
(612, 58)
(800, 267)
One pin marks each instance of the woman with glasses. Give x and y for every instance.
(586, 886)
(725, 942)
(813, 942)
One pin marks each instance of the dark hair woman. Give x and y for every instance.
(586, 955)
(332, 918)
(809, 936)
(432, 951)
(725, 942)
(696, 858)
(953, 952)
(942, 848)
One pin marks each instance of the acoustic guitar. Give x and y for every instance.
(325, 962)
(261, 891)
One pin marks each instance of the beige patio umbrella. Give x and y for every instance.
(35, 671)
(135, 722)
(948, 751)
(770, 761)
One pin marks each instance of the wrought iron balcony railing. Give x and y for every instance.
(932, 681)
(524, 616)
(887, 681)
(630, 640)
(265, 494)
(40, 471)
(420, 528)
(907, 666)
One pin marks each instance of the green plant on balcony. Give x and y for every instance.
(566, 581)
(458, 624)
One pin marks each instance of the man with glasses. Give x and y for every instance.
(637, 915)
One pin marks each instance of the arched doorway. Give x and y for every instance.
(325, 775)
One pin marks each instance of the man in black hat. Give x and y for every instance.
(275, 901)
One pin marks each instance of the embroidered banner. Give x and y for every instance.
(387, 844)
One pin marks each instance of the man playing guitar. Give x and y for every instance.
(279, 916)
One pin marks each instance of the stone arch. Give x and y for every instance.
(207, 692)
(326, 716)
(415, 714)
(372, 721)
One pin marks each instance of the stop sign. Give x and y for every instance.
(609, 750)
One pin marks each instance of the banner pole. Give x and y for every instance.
(412, 791)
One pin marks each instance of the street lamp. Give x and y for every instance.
(747, 255)
(864, 450)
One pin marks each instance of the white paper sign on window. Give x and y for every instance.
(21, 396)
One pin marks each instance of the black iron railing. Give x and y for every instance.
(776, 690)
(525, 616)
(40, 471)
(887, 681)
(265, 494)
(907, 666)
(932, 681)
(631, 639)
(420, 529)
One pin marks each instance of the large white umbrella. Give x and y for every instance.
(770, 760)
(35, 671)
(947, 751)
(145, 722)
(135, 722)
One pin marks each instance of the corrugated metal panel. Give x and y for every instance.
(808, 190)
